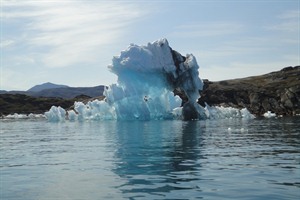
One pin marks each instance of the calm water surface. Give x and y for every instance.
(216, 159)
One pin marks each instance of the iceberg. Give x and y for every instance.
(147, 77)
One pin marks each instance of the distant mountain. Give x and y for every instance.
(59, 91)
(70, 92)
(44, 86)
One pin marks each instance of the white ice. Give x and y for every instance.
(220, 112)
(269, 114)
(24, 116)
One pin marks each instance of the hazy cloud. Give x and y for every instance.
(207, 29)
(63, 33)
(243, 69)
(291, 14)
(289, 21)
(6, 43)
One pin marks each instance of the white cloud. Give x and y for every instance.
(291, 14)
(64, 33)
(289, 22)
(207, 29)
(6, 43)
(233, 49)
(7, 80)
(248, 56)
(288, 26)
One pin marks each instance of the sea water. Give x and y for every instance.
(166, 159)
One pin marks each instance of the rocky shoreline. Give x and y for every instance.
(278, 92)
(24, 104)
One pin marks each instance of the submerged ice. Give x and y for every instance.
(147, 77)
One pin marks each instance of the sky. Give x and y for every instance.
(72, 42)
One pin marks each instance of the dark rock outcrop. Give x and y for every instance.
(278, 92)
(23, 104)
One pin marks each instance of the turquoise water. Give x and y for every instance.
(212, 159)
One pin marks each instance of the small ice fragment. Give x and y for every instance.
(269, 114)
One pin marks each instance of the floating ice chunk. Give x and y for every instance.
(16, 116)
(36, 116)
(24, 116)
(237, 130)
(56, 114)
(245, 113)
(220, 112)
(269, 114)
